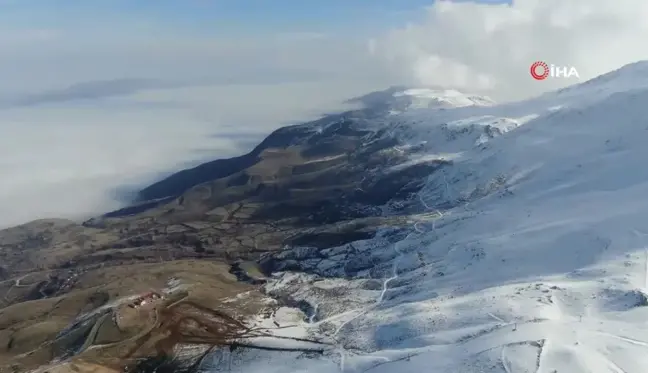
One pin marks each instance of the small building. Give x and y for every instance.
(145, 299)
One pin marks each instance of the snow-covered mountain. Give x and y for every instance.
(441, 98)
(528, 253)
(431, 230)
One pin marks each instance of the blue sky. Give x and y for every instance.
(215, 16)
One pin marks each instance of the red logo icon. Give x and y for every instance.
(545, 70)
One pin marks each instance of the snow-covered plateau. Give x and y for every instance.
(529, 253)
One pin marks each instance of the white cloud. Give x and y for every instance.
(491, 47)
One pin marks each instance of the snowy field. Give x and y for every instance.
(540, 265)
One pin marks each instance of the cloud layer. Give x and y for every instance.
(491, 47)
(78, 158)
(87, 117)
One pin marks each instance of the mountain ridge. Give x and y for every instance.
(376, 104)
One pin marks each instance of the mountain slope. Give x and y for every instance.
(319, 184)
(539, 261)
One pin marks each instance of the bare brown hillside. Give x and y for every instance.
(64, 286)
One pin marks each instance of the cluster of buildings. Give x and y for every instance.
(145, 299)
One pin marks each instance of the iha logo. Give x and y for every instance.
(540, 70)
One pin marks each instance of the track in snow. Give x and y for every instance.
(385, 285)
(504, 360)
